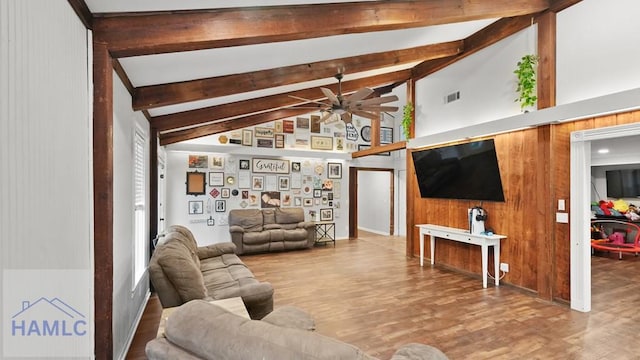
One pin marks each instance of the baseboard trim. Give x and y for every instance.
(125, 350)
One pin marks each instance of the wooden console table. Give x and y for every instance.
(461, 235)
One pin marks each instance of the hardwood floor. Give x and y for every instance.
(367, 293)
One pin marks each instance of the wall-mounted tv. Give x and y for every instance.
(623, 183)
(465, 171)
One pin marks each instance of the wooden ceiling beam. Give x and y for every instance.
(219, 112)
(137, 34)
(147, 97)
(489, 35)
(559, 5)
(229, 125)
(379, 149)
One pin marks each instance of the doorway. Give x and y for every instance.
(580, 208)
(384, 193)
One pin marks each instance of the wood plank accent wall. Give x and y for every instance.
(534, 165)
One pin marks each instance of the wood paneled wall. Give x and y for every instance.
(534, 166)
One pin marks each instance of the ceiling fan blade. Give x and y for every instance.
(377, 108)
(346, 117)
(378, 100)
(330, 95)
(359, 95)
(308, 100)
(326, 116)
(365, 114)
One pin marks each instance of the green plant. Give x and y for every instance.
(526, 73)
(407, 118)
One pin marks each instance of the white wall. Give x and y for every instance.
(46, 217)
(128, 302)
(596, 49)
(374, 201)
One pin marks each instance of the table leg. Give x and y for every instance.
(496, 260)
(485, 255)
(433, 249)
(421, 249)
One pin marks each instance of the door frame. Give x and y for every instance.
(353, 198)
(581, 211)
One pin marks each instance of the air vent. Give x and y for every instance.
(452, 97)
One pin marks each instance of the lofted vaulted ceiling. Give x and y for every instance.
(198, 68)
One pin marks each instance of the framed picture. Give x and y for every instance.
(326, 214)
(216, 178)
(386, 135)
(270, 166)
(217, 162)
(283, 183)
(245, 164)
(308, 202)
(277, 126)
(365, 133)
(265, 143)
(247, 137)
(297, 201)
(196, 207)
(196, 183)
(317, 193)
(221, 205)
(315, 124)
(279, 141)
(302, 123)
(327, 185)
(245, 194)
(198, 161)
(225, 193)
(321, 143)
(270, 199)
(287, 126)
(334, 170)
(264, 132)
(257, 183)
(295, 167)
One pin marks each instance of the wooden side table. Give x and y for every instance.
(325, 232)
(234, 305)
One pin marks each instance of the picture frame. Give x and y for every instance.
(196, 183)
(283, 183)
(225, 193)
(221, 205)
(295, 166)
(334, 170)
(247, 137)
(196, 207)
(257, 183)
(315, 123)
(263, 132)
(317, 193)
(270, 199)
(278, 126)
(216, 178)
(365, 133)
(198, 161)
(326, 214)
(321, 143)
(297, 201)
(265, 143)
(386, 135)
(287, 126)
(270, 166)
(245, 164)
(279, 141)
(307, 202)
(216, 162)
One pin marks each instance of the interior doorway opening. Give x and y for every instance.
(380, 200)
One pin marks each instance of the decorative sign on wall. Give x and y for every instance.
(352, 132)
(272, 166)
(264, 132)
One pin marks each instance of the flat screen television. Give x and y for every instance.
(465, 171)
(623, 183)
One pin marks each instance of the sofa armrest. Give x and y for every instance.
(306, 224)
(291, 317)
(236, 229)
(209, 251)
(416, 351)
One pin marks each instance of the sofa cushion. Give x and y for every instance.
(224, 275)
(249, 219)
(180, 267)
(295, 235)
(211, 332)
(291, 317)
(289, 215)
(269, 216)
(256, 238)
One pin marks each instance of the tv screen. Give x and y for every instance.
(465, 171)
(623, 183)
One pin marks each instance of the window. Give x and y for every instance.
(140, 209)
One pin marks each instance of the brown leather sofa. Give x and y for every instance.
(200, 330)
(273, 229)
(181, 271)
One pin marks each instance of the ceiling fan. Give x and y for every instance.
(359, 103)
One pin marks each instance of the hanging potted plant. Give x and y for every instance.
(407, 118)
(526, 73)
